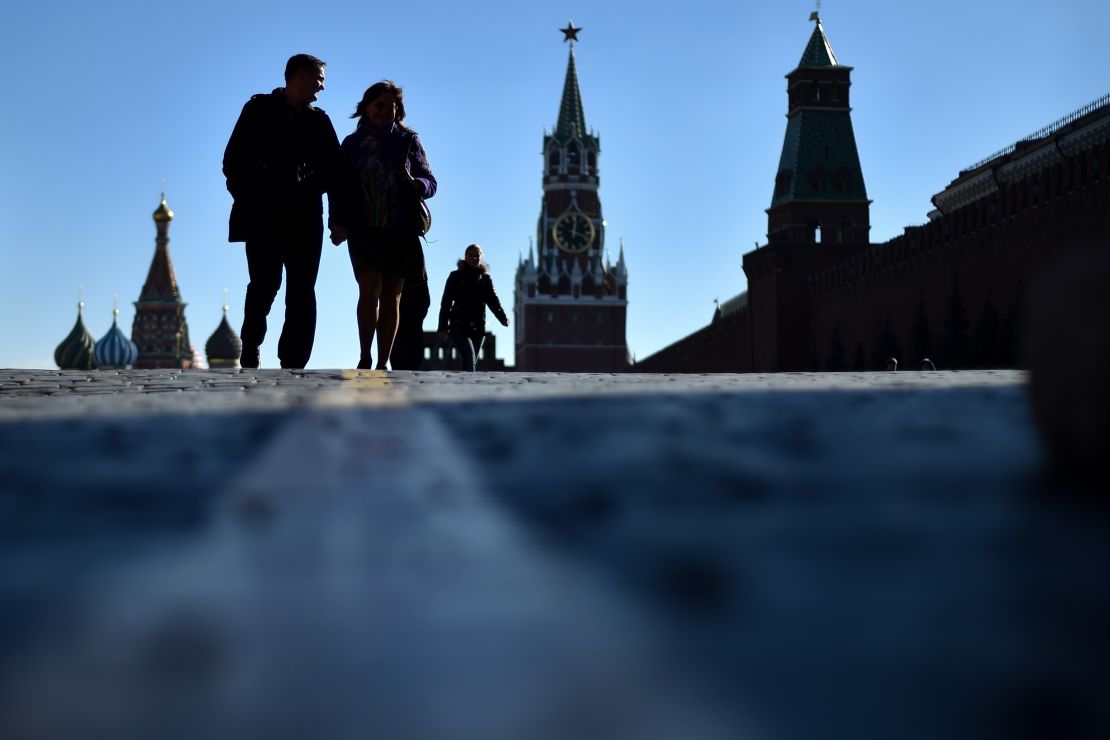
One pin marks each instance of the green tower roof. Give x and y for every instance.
(818, 52)
(572, 119)
(820, 159)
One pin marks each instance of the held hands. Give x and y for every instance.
(338, 235)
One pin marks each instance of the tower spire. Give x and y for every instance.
(819, 187)
(818, 52)
(572, 117)
(160, 311)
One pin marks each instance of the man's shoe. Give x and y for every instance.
(249, 357)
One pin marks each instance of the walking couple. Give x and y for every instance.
(283, 156)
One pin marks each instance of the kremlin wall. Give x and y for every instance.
(952, 290)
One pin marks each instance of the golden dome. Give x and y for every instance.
(163, 214)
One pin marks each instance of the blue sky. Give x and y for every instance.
(106, 99)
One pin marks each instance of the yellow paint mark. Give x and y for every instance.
(364, 388)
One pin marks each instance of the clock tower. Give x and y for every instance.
(570, 300)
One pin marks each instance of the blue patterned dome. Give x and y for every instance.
(114, 349)
(76, 350)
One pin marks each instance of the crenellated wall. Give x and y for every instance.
(723, 346)
(982, 255)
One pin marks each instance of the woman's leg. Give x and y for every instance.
(476, 340)
(369, 290)
(389, 317)
(465, 347)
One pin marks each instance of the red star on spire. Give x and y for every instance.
(570, 33)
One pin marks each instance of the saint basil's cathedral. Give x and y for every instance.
(159, 332)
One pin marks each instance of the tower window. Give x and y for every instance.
(817, 179)
(553, 161)
(572, 158)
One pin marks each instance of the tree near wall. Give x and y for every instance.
(886, 345)
(921, 336)
(955, 342)
(984, 341)
(837, 356)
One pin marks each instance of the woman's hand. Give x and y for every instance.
(504, 321)
(338, 235)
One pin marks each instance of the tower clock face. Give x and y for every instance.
(574, 232)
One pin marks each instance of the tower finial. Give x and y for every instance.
(816, 14)
(80, 297)
(115, 307)
(570, 33)
(225, 300)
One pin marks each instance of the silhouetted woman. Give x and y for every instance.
(388, 173)
(462, 312)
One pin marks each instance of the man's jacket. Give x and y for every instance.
(278, 163)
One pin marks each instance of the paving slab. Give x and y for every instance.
(343, 554)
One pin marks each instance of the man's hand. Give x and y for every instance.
(338, 235)
(504, 321)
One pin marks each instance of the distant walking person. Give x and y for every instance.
(462, 311)
(388, 175)
(283, 155)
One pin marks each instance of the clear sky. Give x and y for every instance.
(105, 99)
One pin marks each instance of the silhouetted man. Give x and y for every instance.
(283, 155)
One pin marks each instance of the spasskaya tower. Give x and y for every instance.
(570, 300)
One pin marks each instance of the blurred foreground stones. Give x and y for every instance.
(1069, 362)
(274, 554)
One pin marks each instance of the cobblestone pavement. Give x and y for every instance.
(344, 554)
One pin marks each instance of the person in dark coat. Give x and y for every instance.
(408, 347)
(388, 177)
(462, 312)
(282, 157)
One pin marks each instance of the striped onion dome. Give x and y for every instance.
(76, 350)
(114, 349)
(224, 346)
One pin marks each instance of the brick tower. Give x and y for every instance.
(819, 210)
(160, 330)
(570, 301)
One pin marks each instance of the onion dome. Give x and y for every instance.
(224, 346)
(163, 214)
(115, 350)
(76, 350)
